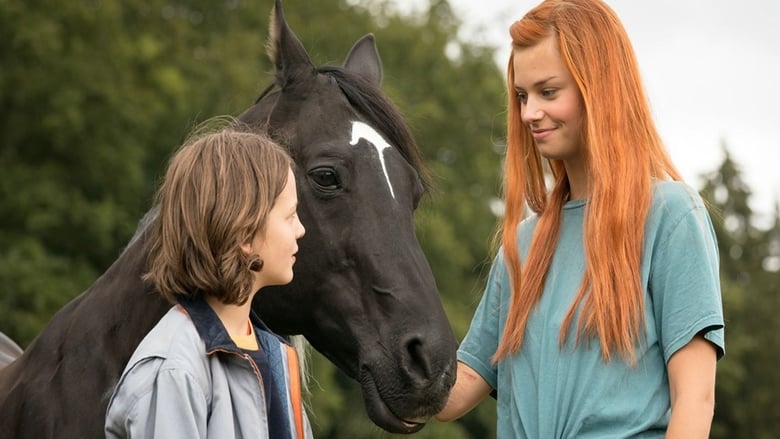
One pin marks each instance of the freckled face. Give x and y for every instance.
(550, 102)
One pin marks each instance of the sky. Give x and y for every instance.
(711, 69)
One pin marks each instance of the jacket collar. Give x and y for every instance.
(210, 328)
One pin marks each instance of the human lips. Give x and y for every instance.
(541, 133)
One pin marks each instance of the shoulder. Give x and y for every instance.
(171, 352)
(173, 335)
(675, 202)
(172, 345)
(675, 196)
(679, 223)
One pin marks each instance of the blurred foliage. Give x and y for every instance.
(96, 94)
(747, 401)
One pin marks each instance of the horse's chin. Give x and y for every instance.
(383, 416)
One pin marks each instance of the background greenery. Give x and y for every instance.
(96, 94)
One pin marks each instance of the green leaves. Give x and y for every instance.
(746, 403)
(36, 283)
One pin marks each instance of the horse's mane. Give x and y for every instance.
(9, 350)
(369, 101)
(143, 224)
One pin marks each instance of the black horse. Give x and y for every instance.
(363, 293)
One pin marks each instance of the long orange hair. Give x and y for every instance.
(624, 153)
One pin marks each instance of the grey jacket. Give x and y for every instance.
(187, 379)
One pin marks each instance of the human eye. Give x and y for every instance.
(521, 96)
(549, 92)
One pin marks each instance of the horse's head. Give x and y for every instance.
(363, 294)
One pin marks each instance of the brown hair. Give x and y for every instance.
(218, 190)
(624, 153)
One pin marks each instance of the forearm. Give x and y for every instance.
(692, 390)
(691, 418)
(469, 389)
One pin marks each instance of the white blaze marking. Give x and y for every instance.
(363, 131)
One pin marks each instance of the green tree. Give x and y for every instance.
(92, 100)
(746, 400)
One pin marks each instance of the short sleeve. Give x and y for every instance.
(481, 341)
(685, 283)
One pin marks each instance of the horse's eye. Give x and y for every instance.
(325, 178)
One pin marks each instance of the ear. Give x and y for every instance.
(363, 59)
(288, 55)
(246, 247)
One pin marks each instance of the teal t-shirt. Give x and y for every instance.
(545, 391)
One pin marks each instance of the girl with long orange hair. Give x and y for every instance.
(602, 315)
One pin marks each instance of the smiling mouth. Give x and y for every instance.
(541, 134)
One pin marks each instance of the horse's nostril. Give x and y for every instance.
(418, 363)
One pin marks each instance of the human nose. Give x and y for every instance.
(531, 110)
(301, 230)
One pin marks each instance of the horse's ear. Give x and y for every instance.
(288, 55)
(363, 59)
